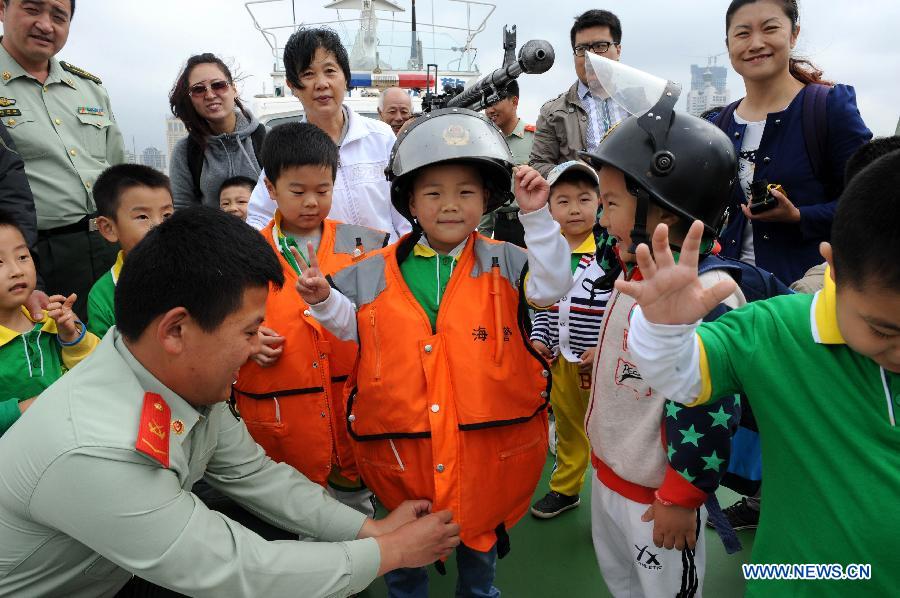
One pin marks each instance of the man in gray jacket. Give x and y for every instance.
(575, 121)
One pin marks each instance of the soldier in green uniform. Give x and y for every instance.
(61, 121)
(96, 477)
(503, 224)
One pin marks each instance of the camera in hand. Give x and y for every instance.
(761, 198)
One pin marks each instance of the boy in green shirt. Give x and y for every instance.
(822, 373)
(131, 199)
(33, 354)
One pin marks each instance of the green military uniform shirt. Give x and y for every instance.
(101, 303)
(65, 132)
(519, 141)
(81, 509)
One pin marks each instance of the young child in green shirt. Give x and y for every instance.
(33, 355)
(822, 373)
(131, 199)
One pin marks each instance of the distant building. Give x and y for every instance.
(706, 93)
(131, 157)
(153, 158)
(175, 131)
(718, 73)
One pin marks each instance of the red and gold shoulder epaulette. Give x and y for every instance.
(153, 433)
(530, 128)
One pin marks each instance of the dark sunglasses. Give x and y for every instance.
(217, 87)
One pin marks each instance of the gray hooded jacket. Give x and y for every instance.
(226, 155)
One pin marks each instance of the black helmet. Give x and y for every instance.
(685, 164)
(451, 134)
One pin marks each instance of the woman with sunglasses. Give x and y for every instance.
(223, 139)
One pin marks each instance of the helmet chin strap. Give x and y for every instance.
(639, 232)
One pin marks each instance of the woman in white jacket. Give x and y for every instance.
(318, 74)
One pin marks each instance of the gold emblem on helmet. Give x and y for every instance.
(456, 135)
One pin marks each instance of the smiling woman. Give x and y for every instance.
(793, 129)
(223, 140)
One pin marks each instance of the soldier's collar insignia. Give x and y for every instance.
(6, 75)
(153, 431)
(178, 426)
(456, 135)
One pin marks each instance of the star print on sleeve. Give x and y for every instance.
(699, 440)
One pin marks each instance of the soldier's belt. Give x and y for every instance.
(85, 225)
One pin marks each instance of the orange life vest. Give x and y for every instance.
(457, 416)
(295, 408)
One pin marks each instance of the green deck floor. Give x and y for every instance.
(555, 558)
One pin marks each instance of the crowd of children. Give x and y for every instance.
(424, 369)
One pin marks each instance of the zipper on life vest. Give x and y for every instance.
(377, 344)
(498, 320)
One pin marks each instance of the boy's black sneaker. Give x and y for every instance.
(741, 516)
(553, 504)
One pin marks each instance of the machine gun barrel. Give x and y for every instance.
(535, 57)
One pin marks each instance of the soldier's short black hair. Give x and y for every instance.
(116, 180)
(71, 10)
(238, 181)
(868, 153)
(201, 259)
(297, 144)
(865, 235)
(301, 47)
(597, 18)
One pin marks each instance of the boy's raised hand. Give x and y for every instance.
(60, 310)
(311, 285)
(671, 293)
(531, 189)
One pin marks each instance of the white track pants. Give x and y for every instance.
(632, 566)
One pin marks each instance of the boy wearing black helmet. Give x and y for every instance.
(656, 463)
(448, 399)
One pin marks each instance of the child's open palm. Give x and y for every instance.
(671, 293)
(60, 310)
(312, 285)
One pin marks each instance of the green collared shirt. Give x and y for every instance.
(519, 142)
(75, 492)
(65, 131)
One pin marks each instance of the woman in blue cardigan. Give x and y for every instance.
(773, 142)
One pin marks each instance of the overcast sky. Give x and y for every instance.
(137, 47)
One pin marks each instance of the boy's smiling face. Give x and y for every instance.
(573, 204)
(234, 200)
(17, 272)
(303, 195)
(140, 210)
(869, 319)
(448, 200)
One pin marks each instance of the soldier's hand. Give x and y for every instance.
(670, 292)
(23, 405)
(60, 309)
(422, 542)
(531, 189)
(407, 512)
(311, 285)
(271, 345)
